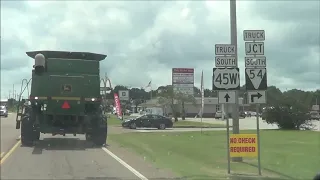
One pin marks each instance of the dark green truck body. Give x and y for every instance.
(82, 76)
(65, 95)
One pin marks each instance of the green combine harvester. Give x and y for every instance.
(64, 98)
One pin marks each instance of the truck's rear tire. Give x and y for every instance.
(27, 133)
(37, 135)
(99, 137)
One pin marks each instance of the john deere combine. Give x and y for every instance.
(65, 97)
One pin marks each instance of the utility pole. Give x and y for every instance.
(233, 34)
(13, 94)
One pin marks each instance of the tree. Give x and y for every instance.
(289, 113)
(176, 101)
(182, 99)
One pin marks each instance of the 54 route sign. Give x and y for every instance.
(256, 79)
(226, 79)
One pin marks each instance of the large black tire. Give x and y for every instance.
(100, 129)
(99, 137)
(37, 135)
(27, 133)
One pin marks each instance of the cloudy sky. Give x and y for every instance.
(144, 40)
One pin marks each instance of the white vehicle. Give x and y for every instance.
(219, 114)
(3, 111)
(253, 113)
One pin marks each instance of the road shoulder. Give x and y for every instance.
(139, 163)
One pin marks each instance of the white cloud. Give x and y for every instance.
(144, 40)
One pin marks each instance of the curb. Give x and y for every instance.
(198, 127)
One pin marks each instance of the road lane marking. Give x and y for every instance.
(135, 172)
(9, 152)
(1, 154)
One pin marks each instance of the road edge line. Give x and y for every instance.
(9, 152)
(135, 172)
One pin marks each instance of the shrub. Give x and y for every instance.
(288, 117)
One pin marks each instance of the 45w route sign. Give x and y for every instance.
(225, 79)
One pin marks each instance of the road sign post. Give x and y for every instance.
(234, 41)
(256, 75)
(226, 80)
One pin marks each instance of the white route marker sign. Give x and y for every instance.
(225, 49)
(256, 76)
(226, 79)
(226, 61)
(257, 97)
(226, 97)
(254, 48)
(254, 35)
(252, 62)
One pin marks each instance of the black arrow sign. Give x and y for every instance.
(258, 95)
(227, 97)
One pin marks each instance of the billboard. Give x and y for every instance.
(183, 80)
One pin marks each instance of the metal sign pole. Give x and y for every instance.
(228, 139)
(258, 137)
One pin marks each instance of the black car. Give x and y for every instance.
(148, 121)
(242, 114)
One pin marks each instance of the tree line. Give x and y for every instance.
(288, 109)
(274, 95)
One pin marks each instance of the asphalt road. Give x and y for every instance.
(9, 133)
(63, 158)
(58, 157)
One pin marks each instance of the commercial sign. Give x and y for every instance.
(183, 80)
(117, 105)
(124, 95)
(243, 145)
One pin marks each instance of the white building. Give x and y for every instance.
(211, 106)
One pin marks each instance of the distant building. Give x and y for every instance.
(211, 106)
(4, 102)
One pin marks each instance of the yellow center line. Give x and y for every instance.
(9, 152)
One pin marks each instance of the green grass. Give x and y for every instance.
(114, 120)
(284, 154)
(195, 124)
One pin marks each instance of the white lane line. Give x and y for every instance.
(139, 175)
